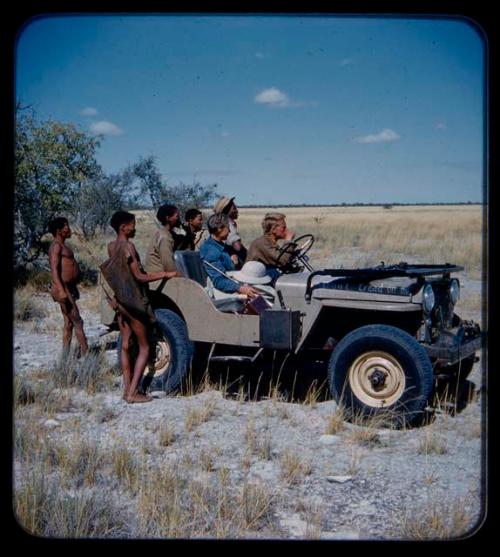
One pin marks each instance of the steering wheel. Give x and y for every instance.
(295, 250)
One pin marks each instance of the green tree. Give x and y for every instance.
(53, 162)
(184, 196)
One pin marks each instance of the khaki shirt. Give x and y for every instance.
(160, 255)
(262, 249)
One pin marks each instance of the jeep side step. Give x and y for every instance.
(230, 358)
(236, 358)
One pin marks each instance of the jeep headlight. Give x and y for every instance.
(454, 291)
(428, 299)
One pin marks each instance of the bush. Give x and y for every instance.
(27, 307)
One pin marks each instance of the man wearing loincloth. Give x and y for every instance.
(65, 277)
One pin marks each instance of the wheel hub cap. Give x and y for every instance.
(377, 379)
(163, 356)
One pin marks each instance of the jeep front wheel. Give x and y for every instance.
(380, 371)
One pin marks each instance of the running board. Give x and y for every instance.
(245, 359)
(234, 358)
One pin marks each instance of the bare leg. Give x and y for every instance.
(77, 321)
(68, 328)
(126, 333)
(140, 332)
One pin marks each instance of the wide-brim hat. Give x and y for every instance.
(252, 272)
(223, 203)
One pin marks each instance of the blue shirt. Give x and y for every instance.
(216, 253)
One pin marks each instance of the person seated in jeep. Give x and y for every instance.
(215, 252)
(191, 234)
(266, 248)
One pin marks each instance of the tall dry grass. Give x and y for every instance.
(348, 236)
(436, 520)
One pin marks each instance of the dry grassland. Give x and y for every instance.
(350, 237)
(61, 488)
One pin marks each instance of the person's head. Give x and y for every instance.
(168, 214)
(227, 206)
(274, 224)
(123, 221)
(61, 225)
(218, 226)
(194, 218)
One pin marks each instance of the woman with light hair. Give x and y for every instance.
(216, 253)
(266, 249)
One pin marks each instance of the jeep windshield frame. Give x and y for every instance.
(382, 271)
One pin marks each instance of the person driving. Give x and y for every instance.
(216, 253)
(266, 249)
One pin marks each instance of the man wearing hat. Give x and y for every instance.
(238, 252)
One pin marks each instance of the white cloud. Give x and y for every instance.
(441, 126)
(262, 55)
(346, 62)
(275, 98)
(88, 111)
(382, 137)
(272, 97)
(225, 133)
(105, 128)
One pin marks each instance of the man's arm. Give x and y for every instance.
(55, 256)
(146, 277)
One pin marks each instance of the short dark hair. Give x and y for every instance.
(119, 218)
(164, 212)
(191, 214)
(217, 221)
(56, 224)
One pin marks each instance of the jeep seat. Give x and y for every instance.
(190, 265)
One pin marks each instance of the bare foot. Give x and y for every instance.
(138, 397)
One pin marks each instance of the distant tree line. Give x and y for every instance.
(382, 204)
(56, 173)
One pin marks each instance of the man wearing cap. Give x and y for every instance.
(216, 253)
(238, 252)
(266, 249)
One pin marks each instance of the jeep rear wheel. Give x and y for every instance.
(381, 371)
(171, 353)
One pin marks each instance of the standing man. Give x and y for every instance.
(65, 274)
(238, 251)
(160, 251)
(265, 248)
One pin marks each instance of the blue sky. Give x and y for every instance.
(274, 109)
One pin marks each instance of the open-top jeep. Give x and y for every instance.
(387, 331)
